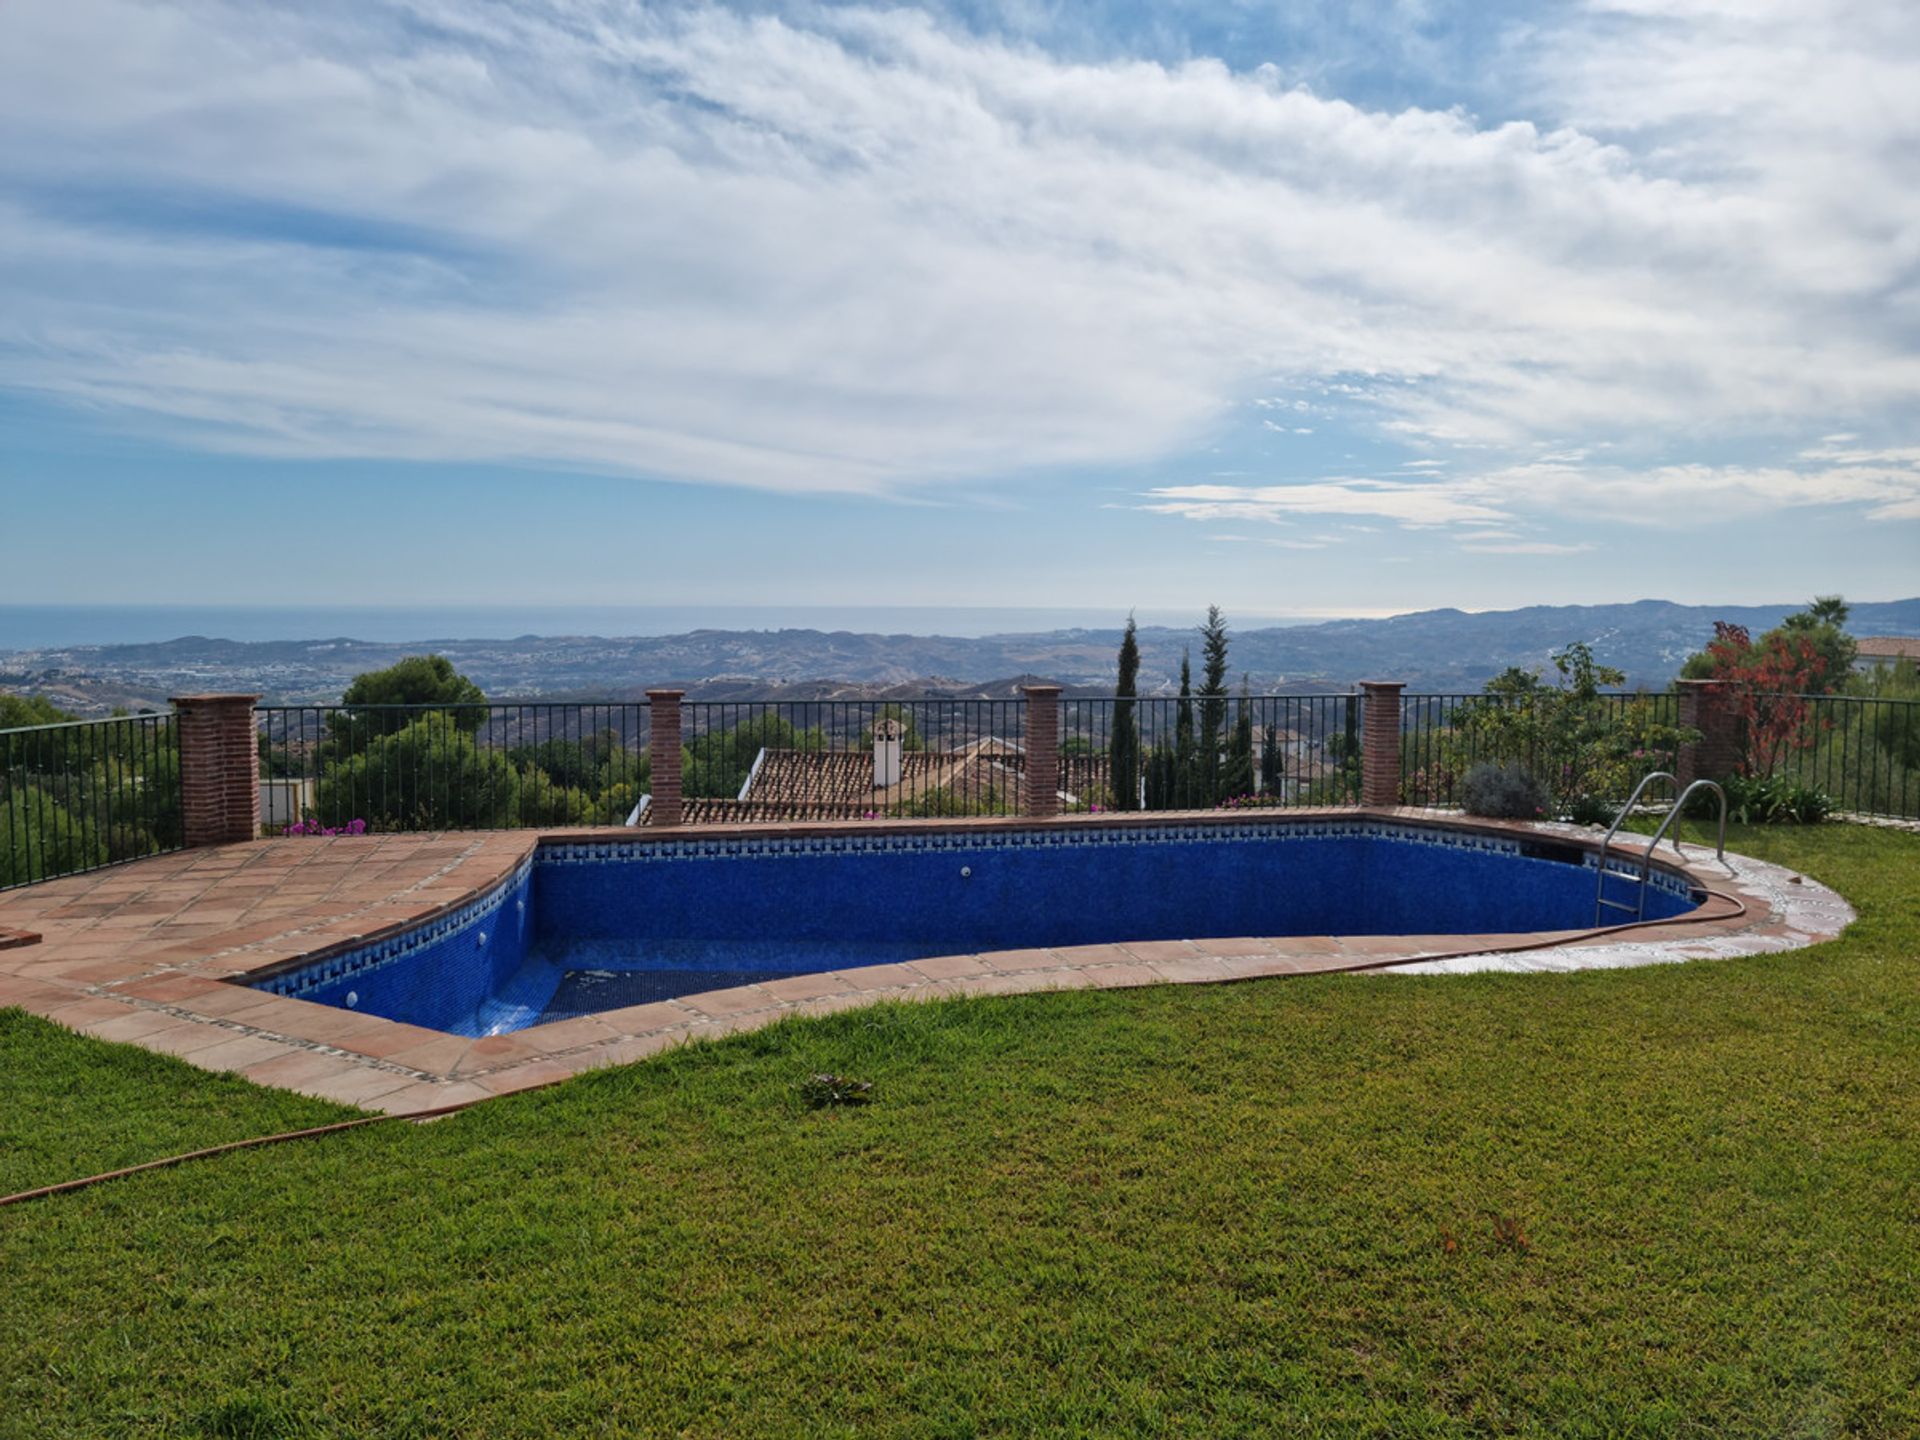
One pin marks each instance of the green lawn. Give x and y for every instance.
(1259, 1209)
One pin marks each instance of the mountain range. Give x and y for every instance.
(1432, 650)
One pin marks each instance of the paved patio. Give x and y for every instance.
(150, 953)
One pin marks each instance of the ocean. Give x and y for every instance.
(40, 627)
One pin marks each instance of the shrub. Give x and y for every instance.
(430, 775)
(1579, 741)
(40, 838)
(1767, 800)
(1503, 792)
(1592, 810)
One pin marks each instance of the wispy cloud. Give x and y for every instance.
(1884, 484)
(1410, 504)
(1525, 547)
(851, 249)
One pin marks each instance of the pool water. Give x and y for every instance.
(592, 926)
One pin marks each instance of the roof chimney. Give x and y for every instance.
(887, 737)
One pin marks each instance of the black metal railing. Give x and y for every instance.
(459, 767)
(1863, 752)
(489, 766)
(1204, 752)
(85, 794)
(1594, 748)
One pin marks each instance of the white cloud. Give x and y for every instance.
(1525, 547)
(1409, 504)
(1316, 542)
(1481, 507)
(850, 250)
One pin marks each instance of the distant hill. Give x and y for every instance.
(1429, 649)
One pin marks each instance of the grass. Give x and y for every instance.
(1678, 1201)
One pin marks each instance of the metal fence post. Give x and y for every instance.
(663, 746)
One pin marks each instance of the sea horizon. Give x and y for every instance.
(46, 627)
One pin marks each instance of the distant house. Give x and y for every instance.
(1878, 650)
(791, 785)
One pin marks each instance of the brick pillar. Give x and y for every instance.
(1380, 743)
(1042, 799)
(219, 768)
(664, 747)
(1716, 754)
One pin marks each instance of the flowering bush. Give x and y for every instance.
(314, 827)
(1430, 785)
(1769, 683)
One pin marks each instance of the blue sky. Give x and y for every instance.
(1302, 309)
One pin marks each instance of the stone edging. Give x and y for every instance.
(178, 997)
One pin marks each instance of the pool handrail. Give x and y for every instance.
(1600, 902)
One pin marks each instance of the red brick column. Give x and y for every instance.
(219, 768)
(664, 748)
(1716, 754)
(1042, 798)
(1380, 743)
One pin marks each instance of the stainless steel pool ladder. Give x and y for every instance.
(1601, 904)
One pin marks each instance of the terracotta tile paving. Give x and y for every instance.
(1193, 970)
(807, 987)
(141, 954)
(644, 1019)
(183, 1037)
(357, 1087)
(88, 1011)
(300, 1067)
(720, 1003)
(946, 967)
(1152, 950)
(241, 1051)
(434, 1057)
(1014, 960)
(131, 1026)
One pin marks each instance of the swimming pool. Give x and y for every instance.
(585, 926)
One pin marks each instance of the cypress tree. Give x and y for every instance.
(1160, 776)
(1236, 777)
(1213, 704)
(1184, 790)
(1272, 763)
(1123, 751)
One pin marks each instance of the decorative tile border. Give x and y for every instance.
(780, 847)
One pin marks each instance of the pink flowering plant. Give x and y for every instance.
(311, 826)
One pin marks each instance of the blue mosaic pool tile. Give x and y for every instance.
(438, 974)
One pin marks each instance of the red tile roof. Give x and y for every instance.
(1890, 647)
(845, 777)
(791, 785)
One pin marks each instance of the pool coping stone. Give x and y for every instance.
(109, 954)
